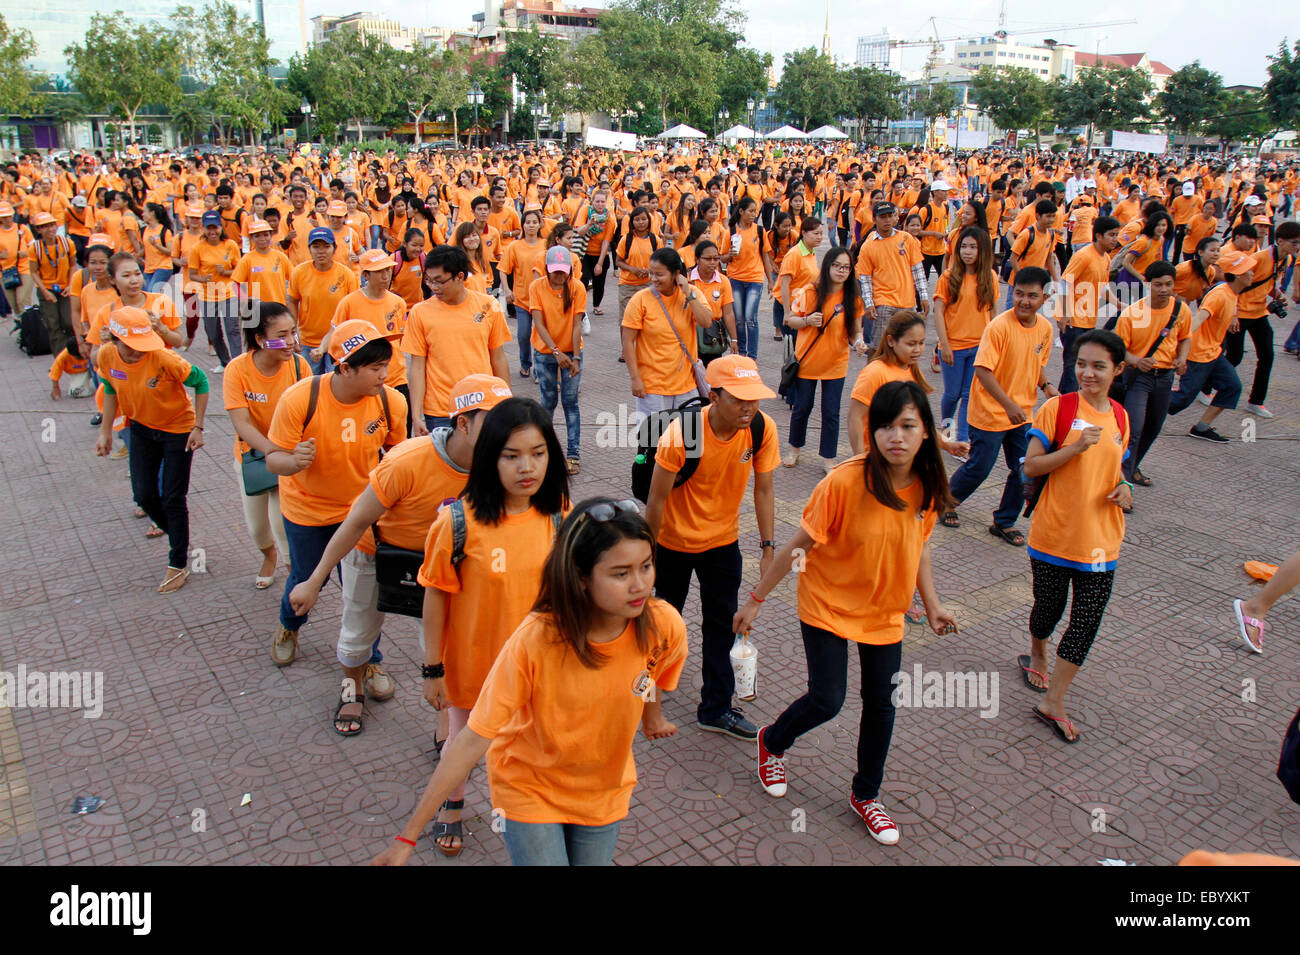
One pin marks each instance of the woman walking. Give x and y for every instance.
(964, 298)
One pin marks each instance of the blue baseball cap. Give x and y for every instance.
(212, 218)
(320, 234)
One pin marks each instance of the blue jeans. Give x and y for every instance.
(154, 281)
(319, 367)
(306, 546)
(524, 331)
(1293, 340)
(376, 237)
(549, 373)
(747, 296)
(778, 318)
(1218, 374)
(984, 447)
(556, 843)
(956, 388)
(432, 421)
(805, 392)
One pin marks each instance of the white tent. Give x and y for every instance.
(681, 131)
(738, 132)
(786, 132)
(826, 132)
(609, 139)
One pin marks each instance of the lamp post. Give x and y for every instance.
(538, 111)
(305, 107)
(724, 114)
(475, 99)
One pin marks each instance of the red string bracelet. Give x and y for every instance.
(409, 842)
(754, 596)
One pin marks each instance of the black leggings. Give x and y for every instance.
(1091, 594)
(932, 263)
(828, 673)
(1234, 346)
(593, 281)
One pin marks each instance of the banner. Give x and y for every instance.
(1139, 142)
(969, 139)
(608, 139)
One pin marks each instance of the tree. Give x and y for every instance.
(422, 75)
(16, 80)
(868, 93)
(1245, 117)
(347, 78)
(1282, 91)
(124, 66)
(1103, 98)
(1013, 98)
(936, 101)
(810, 92)
(1191, 96)
(594, 79)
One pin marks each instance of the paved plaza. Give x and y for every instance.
(1181, 725)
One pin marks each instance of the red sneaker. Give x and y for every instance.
(771, 768)
(882, 828)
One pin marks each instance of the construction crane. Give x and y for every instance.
(1001, 33)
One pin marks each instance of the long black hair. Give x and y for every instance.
(484, 491)
(851, 296)
(886, 405)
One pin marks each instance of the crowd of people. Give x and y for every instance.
(358, 310)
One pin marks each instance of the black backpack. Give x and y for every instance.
(653, 428)
(33, 336)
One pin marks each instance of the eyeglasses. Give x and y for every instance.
(600, 513)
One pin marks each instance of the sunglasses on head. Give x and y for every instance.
(600, 513)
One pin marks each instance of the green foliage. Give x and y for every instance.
(810, 91)
(16, 80)
(1108, 99)
(1282, 91)
(123, 66)
(869, 94)
(938, 100)
(1014, 98)
(1245, 118)
(1191, 97)
(348, 79)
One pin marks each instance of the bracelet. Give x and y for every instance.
(435, 671)
(1130, 486)
(197, 427)
(763, 545)
(409, 842)
(756, 597)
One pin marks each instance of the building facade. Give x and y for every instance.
(1047, 60)
(880, 50)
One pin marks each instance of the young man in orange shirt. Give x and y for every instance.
(697, 522)
(1085, 288)
(315, 289)
(890, 272)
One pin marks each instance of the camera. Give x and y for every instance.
(1277, 307)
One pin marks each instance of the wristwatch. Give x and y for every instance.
(764, 545)
(435, 672)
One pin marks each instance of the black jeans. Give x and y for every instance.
(151, 452)
(718, 570)
(828, 677)
(1234, 346)
(1147, 404)
(593, 281)
(932, 263)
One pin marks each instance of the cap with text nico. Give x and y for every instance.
(211, 217)
(1234, 262)
(131, 326)
(101, 239)
(738, 376)
(337, 208)
(42, 218)
(353, 334)
(478, 391)
(320, 234)
(559, 259)
(258, 225)
(372, 260)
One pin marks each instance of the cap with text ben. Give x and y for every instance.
(738, 376)
(131, 326)
(475, 392)
(351, 336)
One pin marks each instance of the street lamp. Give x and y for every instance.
(538, 111)
(476, 100)
(305, 107)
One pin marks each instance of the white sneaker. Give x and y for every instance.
(1259, 411)
(1204, 399)
(219, 369)
(828, 465)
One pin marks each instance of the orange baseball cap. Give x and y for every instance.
(1234, 262)
(478, 391)
(42, 218)
(372, 260)
(336, 208)
(6, 210)
(195, 210)
(131, 326)
(738, 376)
(258, 225)
(352, 335)
(100, 238)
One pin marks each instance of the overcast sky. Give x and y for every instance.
(1175, 32)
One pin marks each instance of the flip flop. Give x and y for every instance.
(454, 829)
(1140, 479)
(1023, 661)
(1244, 621)
(349, 719)
(154, 532)
(175, 580)
(1008, 534)
(949, 519)
(1055, 724)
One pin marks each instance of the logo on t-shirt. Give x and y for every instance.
(747, 456)
(373, 426)
(153, 382)
(255, 396)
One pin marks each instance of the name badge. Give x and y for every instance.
(117, 373)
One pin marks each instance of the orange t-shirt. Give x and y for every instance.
(851, 529)
(1207, 339)
(1074, 525)
(964, 319)
(244, 386)
(153, 259)
(92, 298)
(1143, 251)
(635, 252)
(205, 259)
(716, 292)
(266, 274)
(800, 263)
(562, 733)
(559, 322)
(348, 439)
(13, 248)
(1033, 247)
(455, 341)
(1140, 325)
(870, 379)
(1016, 355)
(54, 261)
(824, 355)
(388, 317)
(747, 266)
(412, 481)
(704, 512)
(1188, 284)
(1198, 227)
(1089, 273)
(407, 282)
(889, 263)
(154, 302)
(152, 390)
(488, 594)
(65, 364)
(518, 261)
(664, 369)
(318, 295)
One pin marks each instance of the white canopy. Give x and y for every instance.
(786, 132)
(826, 132)
(609, 139)
(738, 132)
(681, 131)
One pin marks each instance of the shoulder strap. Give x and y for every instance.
(388, 415)
(669, 318)
(458, 529)
(690, 447)
(1067, 408)
(1173, 320)
(756, 429)
(312, 399)
(1121, 418)
(297, 368)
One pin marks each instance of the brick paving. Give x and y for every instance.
(1177, 754)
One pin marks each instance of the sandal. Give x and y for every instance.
(175, 580)
(949, 519)
(454, 830)
(139, 512)
(1008, 534)
(572, 465)
(1056, 726)
(339, 718)
(1244, 621)
(154, 532)
(1140, 479)
(1023, 662)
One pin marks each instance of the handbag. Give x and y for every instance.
(790, 370)
(697, 366)
(258, 478)
(1288, 764)
(11, 278)
(396, 576)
